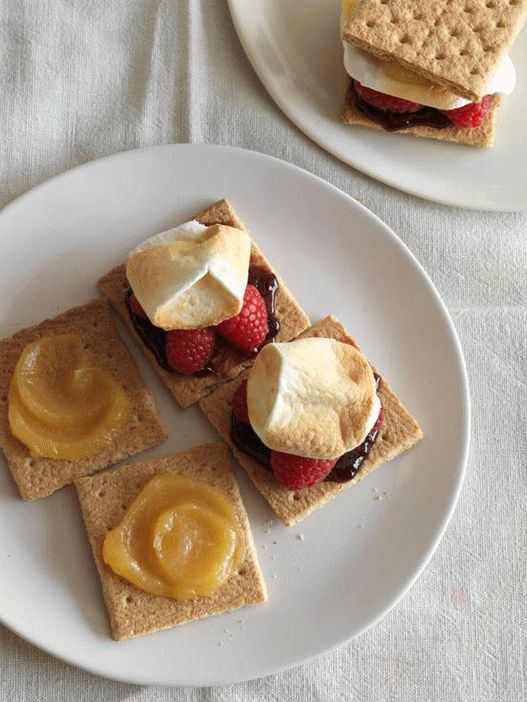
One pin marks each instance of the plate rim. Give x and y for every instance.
(466, 414)
(326, 144)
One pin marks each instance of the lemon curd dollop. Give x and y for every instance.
(62, 405)
(180, 538)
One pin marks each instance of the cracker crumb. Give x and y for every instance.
(264, 547)
(378, 498)
(300, 537)
(275, 575)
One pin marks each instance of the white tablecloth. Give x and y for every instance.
(80, 80)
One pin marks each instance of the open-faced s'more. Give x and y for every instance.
(310, 418)
(72, 400)
(201, 300)
(434, 69)
(171, 541)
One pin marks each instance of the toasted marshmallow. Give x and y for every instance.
(312, 397)
(391, 79)
(191, 276)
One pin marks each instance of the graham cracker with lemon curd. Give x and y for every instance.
(478, 136)
(188, 389)
(457, 44)
(105, 498)
(92, 322)
(399, 431)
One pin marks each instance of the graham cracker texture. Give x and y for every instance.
(39, 477)
(186, 389)
(479, 136)
(454, 43)
(398, 433)
(105, 498)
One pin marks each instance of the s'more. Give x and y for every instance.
(431, 69)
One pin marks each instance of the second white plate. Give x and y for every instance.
(295, 49)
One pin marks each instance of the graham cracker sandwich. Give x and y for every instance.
(72, 400)
(200, 300)
(310, 419)
(430, 69)
(177, 527)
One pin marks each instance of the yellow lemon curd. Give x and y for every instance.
(61, 405)
(180, 538)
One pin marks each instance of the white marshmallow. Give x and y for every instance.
(312, 397)
(191, 276)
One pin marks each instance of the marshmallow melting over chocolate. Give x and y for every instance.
(313, 397)
(191, 276)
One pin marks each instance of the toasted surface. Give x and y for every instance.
(479, 136)
(191, 276)
(299, 386)
(189, 389)
(399, 432)
(455, 44)
(39, 477)
(104, 499)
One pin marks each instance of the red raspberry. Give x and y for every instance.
(247, 331)
(239, 403)
(188, 350)
(297, 472)
(385, 102)
(469, 116)
(136, 308)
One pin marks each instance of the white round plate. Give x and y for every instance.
(359, 554)
(295, 49)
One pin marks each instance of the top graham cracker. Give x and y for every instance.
(454, 43)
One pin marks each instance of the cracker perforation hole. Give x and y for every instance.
(491, 4)
(101, 493)
(296, 496)
(31, 462)
(4, 398)
(242, 572)
(464, 52)
(405, 39)
(95, 325)
(128, 600)
(440, 56)
(86, 347)
(370, 24)
(417, 15)
(110, 355)
(475, 72)
(501, 24)
(394, 20)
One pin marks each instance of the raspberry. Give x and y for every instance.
(188, 350)
(469, 116)
(385, 102)
(297, 472)
(247, 331)
(136, 308)
(239, 403)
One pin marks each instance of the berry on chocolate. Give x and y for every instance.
(297, 472)
(385, 102)
(239, 403)
(136, 308)
(469, 116)
(247, 331)
(189, 350)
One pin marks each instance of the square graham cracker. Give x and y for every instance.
(478, 136)
(454, 43)
(39, 477)
(189, 389)
(104, 498)
(398, 433)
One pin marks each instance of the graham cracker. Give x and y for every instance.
(454, 43)
(399, 431)
(39, 477)
(105, 498)
(478, 136)
(188, 389)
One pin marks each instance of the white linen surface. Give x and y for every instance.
(80, 80)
